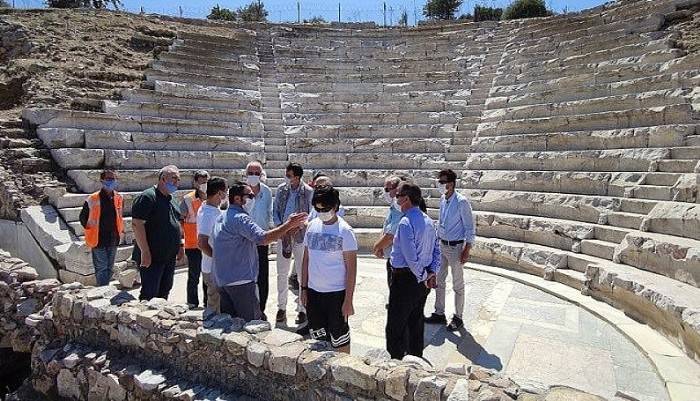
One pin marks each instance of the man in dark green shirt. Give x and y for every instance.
(159, 240)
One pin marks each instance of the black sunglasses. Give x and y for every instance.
(323, 209)
(254, 173)
(250, 196)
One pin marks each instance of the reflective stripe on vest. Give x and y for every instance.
(189, 224)
(92, 228)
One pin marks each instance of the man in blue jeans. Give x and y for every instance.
(101, 217)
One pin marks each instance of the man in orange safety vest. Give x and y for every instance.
(101, 217)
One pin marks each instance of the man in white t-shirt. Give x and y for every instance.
(206, 217)
(329, 269)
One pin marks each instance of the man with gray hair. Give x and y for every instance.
(382, 248)
(261, 213)
(159, 239)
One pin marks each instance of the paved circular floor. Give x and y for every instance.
(533, 337)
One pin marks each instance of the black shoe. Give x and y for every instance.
(436, 319)
(455, 324)
(301, 318)
(303, 331)
(281, 316)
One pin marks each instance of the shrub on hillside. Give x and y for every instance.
(526, 9)
(483, 13)
(222, 14)
(253, 12)
(441, 9)
(84, 3)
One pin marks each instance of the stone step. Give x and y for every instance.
(576, 160)
(581, 87)
(662, 179)
(381, 97)
(218, 42)
(232, 71)
(200, 79)
(610, 234)
(410, 160)
(579, 262)
(74, 158)
(678, 165)
(382, 118)
(352, 131)
(241, 62)
(193, 49)
(692, 140)
(218, 93)
(239, 102)
(379, 76)
(17, 143)
(686, 152)
(364, 54)
(593, 105)
(598, 55)
(182, 112)
(658, 192)
(14, 133)
(598, 248)
(637, 206)
(320, 87)
(310, 105)
(58, 118)
(644, 117)
(106, 139)
(625, 219)
(641, 137)
(571, 278)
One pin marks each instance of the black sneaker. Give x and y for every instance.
(293, 282)
(455, 324)
(436, 318)
(301, 318)
(303, 331)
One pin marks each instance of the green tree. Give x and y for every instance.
(222, 14)
(84, 3)
(441, 9)
(403, 19)
(253, 12)
(526, 9)
(483, 13)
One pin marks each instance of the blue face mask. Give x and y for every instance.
(109, 185)
(170, 187)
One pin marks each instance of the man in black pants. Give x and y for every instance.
(415, 261)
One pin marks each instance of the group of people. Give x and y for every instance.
(224, 229)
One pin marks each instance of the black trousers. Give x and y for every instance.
(194, 271)
(404, 326)
(157, 279)
(263, 275)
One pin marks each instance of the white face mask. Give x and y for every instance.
(287, 181)
(253, 180)
(326, 216)
(442, 188)
(249, 205)
(203, 187)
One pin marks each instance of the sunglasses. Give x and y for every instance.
(323, 209)
(250, 196)
(442, 182)
(254, 173)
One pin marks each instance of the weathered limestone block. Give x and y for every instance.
(587, 160)
(256, 353)
(283, 359)
(544, 181)
(496, 252)
(315, 364)
(61, 137)
(675, 257)
(429, 388)
(687, 188)
(569, 207)
(68, 385)
(396, 382)
(78, 158)
(681, 219)
(352, 371)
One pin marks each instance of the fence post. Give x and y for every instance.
(338, 12)
(298, 13)
(384, 14)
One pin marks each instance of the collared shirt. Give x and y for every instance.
(292, 203)
(391, 224)
(262, 211)
(163, 230)
(456, 220)
(235, 243)
(416, 244)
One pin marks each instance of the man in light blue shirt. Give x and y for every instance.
(415, 261)
(382, 248)
(235, 238)
(456, 233)
(262, 215)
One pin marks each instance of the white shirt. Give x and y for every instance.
(206, 217)
(326, 244)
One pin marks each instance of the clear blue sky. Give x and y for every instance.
(286, 10)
